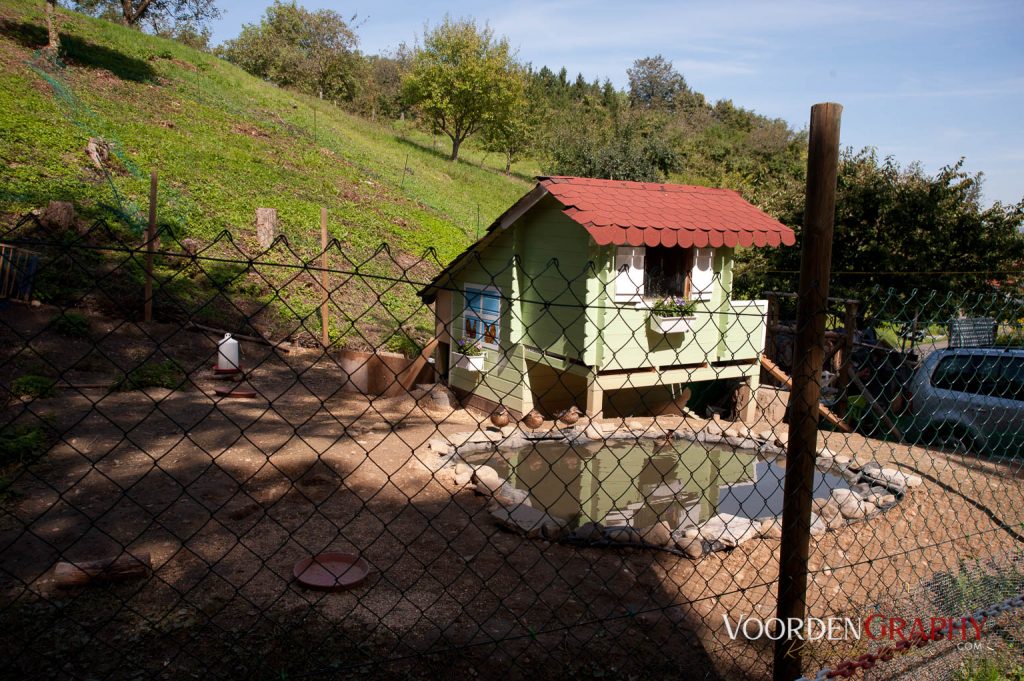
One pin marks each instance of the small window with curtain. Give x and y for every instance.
(481, 317)
(667, 272)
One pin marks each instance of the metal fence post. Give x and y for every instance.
(815, 264)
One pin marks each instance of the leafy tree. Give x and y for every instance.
(313, 51)
(462, 78)
(654, 83)
(895, 225)
(134, 12)
(512, 131)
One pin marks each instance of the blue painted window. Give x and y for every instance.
(482, 315)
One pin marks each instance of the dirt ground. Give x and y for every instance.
(226, 496)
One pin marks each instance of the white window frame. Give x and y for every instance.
(629, 274)
(472, 314)
(629, 279)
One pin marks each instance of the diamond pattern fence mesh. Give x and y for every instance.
(503, 471)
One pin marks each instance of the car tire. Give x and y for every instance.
(952, 438)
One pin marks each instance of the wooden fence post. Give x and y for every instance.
(324, 327)
(812, 307)
(266, 226)
(150, 245)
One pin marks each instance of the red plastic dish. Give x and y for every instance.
(331, 571)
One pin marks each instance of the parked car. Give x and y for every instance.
(969, 400)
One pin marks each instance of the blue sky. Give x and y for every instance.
(923, 81)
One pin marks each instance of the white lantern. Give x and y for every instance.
(227, 354)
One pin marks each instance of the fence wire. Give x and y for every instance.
(518, 468)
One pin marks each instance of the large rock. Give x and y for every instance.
(487, 480)
(850, 503)
(818, 525)
(463, 474)
(893, 477)
(510, 496)
(624, 534)
(529, 521)
(770, 527)
(589, 531)
(726, 530)
(658, 534)
(692, 547)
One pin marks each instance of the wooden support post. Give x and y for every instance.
(266, 226)
(846, 354)
(595, 398)
(771, 327)
(150, 245)
(812, 307)
(325, 336)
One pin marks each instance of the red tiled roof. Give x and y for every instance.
(651, 214)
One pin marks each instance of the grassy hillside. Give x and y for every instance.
(223, 142)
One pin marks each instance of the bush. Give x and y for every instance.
(32, 385)
(19, 445)
(166, 374)
(72, 325)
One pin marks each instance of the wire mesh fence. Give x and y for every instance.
(519, 467)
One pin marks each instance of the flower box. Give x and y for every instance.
(470, 362)
(669, 325)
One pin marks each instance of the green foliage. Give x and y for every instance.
(899, 228)
(20, 445)
(72, 324)
(673, 307)
(311, 51)
(462, 78)
(135, 12)
(655, 84)
(403, 344)
(152, 374)
(470, 347)
(990, 668)
(34, 386)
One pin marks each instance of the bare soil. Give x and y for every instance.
(227, 495)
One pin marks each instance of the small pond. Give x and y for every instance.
(640, 482)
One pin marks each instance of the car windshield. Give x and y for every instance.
(992, 375)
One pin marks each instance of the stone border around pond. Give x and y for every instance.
(873, 490)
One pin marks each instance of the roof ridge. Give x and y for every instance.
(633, 184)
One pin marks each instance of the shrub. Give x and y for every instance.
(72, 325)
(33, 385)
(166, 374)
(19, 445)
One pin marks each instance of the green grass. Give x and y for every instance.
(20, 445)
(152, 374)
(989, 669)
(72, 324)
(224, 143)
(34, 386)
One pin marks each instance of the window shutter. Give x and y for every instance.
(629, 273)
(702, 278)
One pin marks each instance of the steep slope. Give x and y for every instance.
(223, 142)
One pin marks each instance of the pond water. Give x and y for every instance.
(638, 483)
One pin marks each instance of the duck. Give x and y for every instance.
(569, 416)
(533, 420)
(500, 417)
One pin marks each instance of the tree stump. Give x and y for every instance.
(266, 226)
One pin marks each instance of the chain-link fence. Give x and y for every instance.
(566, 464)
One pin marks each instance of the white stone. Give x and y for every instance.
(529, 521)
(463, 474)
(728, 530)
(818, 525)
(850, 503)
(658, 534)
(439, 445)
(842, 460)
(692, 547)
(826, 453)
(487, 480)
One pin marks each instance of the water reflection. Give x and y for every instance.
(639, 483)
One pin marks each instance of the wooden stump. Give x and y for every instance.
(80, 573)
(266, 226)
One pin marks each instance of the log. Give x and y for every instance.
(778, 374)
(252, 339)
(875, 407)
(407, 377)
(81, 573)
(266, 226)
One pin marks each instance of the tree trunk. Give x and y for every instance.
(53, 45)
(508, 164)
(456, 143)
